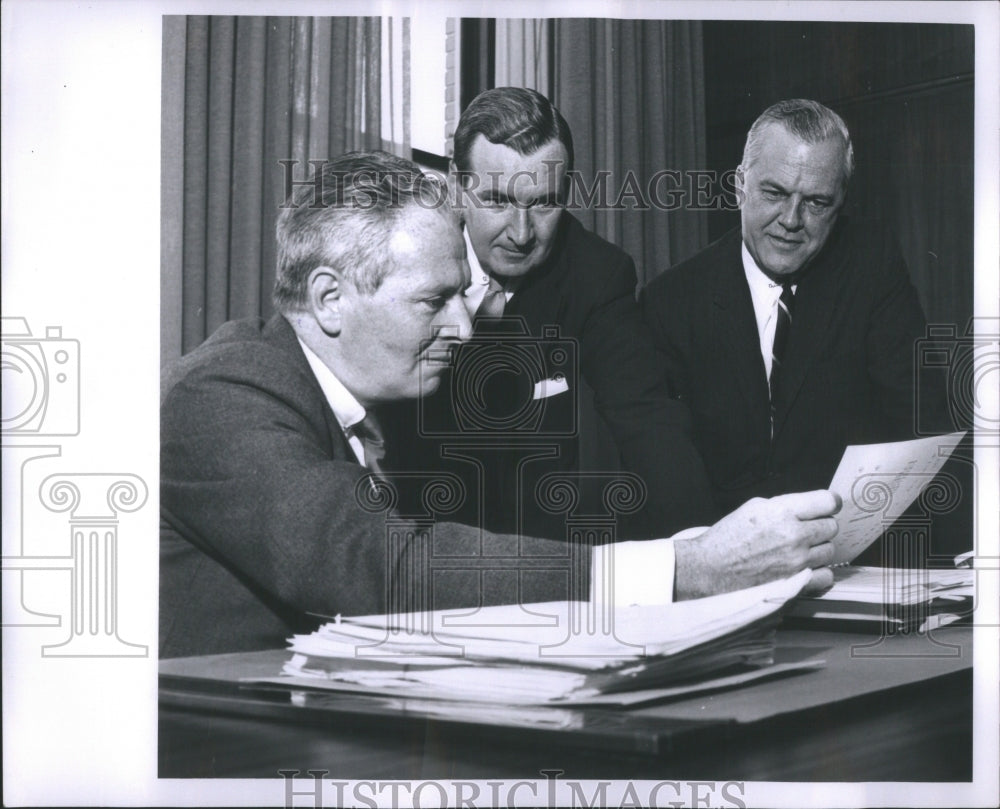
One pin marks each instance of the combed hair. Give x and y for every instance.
(809, 121)
(516, 117)
(344, 217)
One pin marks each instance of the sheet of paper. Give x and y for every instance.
(887, 585)
(878, 482)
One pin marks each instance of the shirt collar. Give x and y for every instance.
(480, 279)
(478, 274)
(345, 407)
(762, 288)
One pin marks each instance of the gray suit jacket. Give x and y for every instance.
(263, 523)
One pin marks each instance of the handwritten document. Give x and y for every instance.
(878, 482)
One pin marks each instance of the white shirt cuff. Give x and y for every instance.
(628, 573)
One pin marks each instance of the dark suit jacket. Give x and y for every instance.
(847, 375)
(260, 523)
(584, 295)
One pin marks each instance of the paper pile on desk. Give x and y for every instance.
(549, 653)
(912, 599)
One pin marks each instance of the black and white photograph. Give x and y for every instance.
(521, 404)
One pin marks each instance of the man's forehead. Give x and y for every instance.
(783, 152)
(780, 142)
(485, 156)
(427, 247)
(418, 229)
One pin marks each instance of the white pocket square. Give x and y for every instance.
(550, 387)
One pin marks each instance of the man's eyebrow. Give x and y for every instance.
(441, 289)
(496, 195)
(493, 194)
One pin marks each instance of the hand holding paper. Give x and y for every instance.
(762, 540)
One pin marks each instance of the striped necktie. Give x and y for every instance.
(369, 433)
(782, 326)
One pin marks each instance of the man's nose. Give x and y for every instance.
(791, 214)
(457, 317)
(519, 227)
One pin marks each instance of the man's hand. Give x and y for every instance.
(761, 541)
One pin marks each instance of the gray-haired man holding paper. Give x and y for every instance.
(266, 430)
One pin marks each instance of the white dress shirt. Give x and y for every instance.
(345, 407)
(764, 293)
(476, 291)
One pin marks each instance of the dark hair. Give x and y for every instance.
(809, 121)
(517, 117)
(344, 217)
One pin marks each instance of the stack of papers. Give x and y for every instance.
(911, 599)
(550, 653)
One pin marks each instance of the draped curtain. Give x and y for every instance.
(241, 94)
(633, 93)
(522, 54)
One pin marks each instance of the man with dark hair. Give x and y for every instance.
(792, 336)
(538, 274)
(271, 473)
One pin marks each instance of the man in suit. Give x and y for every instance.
(552, 282)
(272, 497)
(792, 336)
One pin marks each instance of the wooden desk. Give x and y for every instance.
(897, 711)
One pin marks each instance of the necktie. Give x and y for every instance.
(782, 326)
(493, 302)
(369, 433)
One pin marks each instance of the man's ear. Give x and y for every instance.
(326, 288)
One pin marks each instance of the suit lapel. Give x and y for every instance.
(539, 299)
(279, 333)
(733, 321)
(815, 303)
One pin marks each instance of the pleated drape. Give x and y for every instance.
(523, 53)
(241, 94)
(633, 92)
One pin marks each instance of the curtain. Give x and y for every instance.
(522, 54)
(633, 92)
(241, 94)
